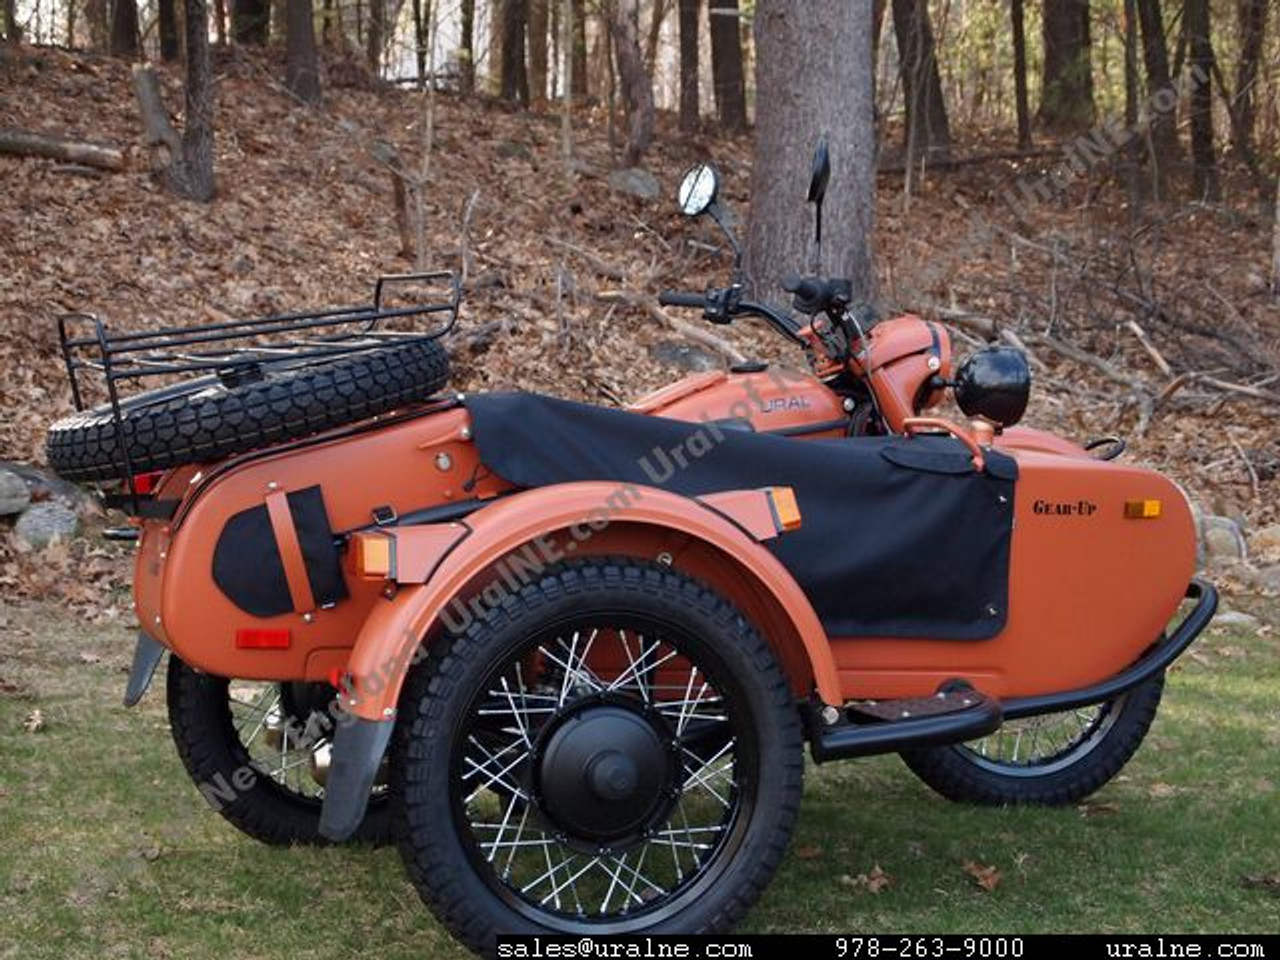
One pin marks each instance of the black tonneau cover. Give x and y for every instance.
(900, 537)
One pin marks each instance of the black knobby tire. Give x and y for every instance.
(731, 800)
(240, 787)
(1094, 745)
(201, 421)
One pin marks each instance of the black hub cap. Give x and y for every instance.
(605, 773)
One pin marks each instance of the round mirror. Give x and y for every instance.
(698, 190)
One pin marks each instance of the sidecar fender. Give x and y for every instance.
(442, 566)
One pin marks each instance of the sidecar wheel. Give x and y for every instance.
(1050, 760)
(242, 752)
(614, 749)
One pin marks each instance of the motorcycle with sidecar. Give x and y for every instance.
(571, 656)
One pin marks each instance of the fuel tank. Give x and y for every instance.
(759, 397)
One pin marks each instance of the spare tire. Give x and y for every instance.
(202, 420)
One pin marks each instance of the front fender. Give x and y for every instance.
(392, 635)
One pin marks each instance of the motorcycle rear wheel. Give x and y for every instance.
(1052, 759)
(251, 749)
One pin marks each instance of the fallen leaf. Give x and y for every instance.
(873, 882)
(987, 877)
(90, 658)
(34, 722)
(1270, 882)
(809, 853)
(1162, 791)
(1097, 808)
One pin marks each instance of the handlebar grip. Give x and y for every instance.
(805, 288)
(677, 298)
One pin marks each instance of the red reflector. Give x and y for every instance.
(250, 638)
(144, 483)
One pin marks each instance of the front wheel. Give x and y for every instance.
(614, 749)
(1048, 760)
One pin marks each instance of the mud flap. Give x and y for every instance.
(145, 657)
(358, 746)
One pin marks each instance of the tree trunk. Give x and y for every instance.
(467, 48)
(1162, 96)
(539, 15)
(12, 32)
(1204, 161)
(637, 87)
(1130, 160)
(580, 86)
(726, 65)
(374, 36)
(197, 137)
(419, 44)
(655, 35)
(928, 133)
(220, 21)
(170, 48)
(1252, 16)
(496, 20)
(827, 91)
(28, 143)
(124, 29)
(1020, 76)
(515, 78)
(302, 68)
(689, 93)
(251, 22)
(1066, 100)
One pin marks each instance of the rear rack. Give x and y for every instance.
(238, 350)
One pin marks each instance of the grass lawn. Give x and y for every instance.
(106, 849)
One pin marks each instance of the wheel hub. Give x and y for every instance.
(605, 774)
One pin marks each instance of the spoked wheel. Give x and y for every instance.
(614, 750)
(259, 754)
(1051, 759)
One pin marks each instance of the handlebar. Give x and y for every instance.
(677, 298)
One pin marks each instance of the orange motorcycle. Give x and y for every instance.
(574, 654)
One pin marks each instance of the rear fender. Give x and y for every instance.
(445, 570)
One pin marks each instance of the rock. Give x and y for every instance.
(1222, 541)
(636, 181)
(684, 356)
(46, 523)
(42, 485)
(1266, 578)
(1236, 618)
(14, 495)
(1266, 542)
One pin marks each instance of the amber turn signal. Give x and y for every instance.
(1142, 509)
(374, 556)
(785, 508)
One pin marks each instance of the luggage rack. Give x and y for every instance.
(238, 351)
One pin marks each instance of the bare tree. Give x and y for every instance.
(302, 68)
(928, 133)
(251, 22)
(539, 22)
(689, 93)
(467, 47)
(421, 37)
(827, 91)
(637, 87)
(184, 163)
(727, 74)
(515, 78)
(1161, 94)
(1204, 160)
(124, 29)
(579, 85)
(167, 17)
(375, 36)
(1252, 19)
(1066, 100)
(12, 32)
(1020, 75)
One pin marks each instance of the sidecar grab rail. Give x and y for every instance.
(1157, 659)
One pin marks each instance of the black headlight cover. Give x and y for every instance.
(994, 383)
